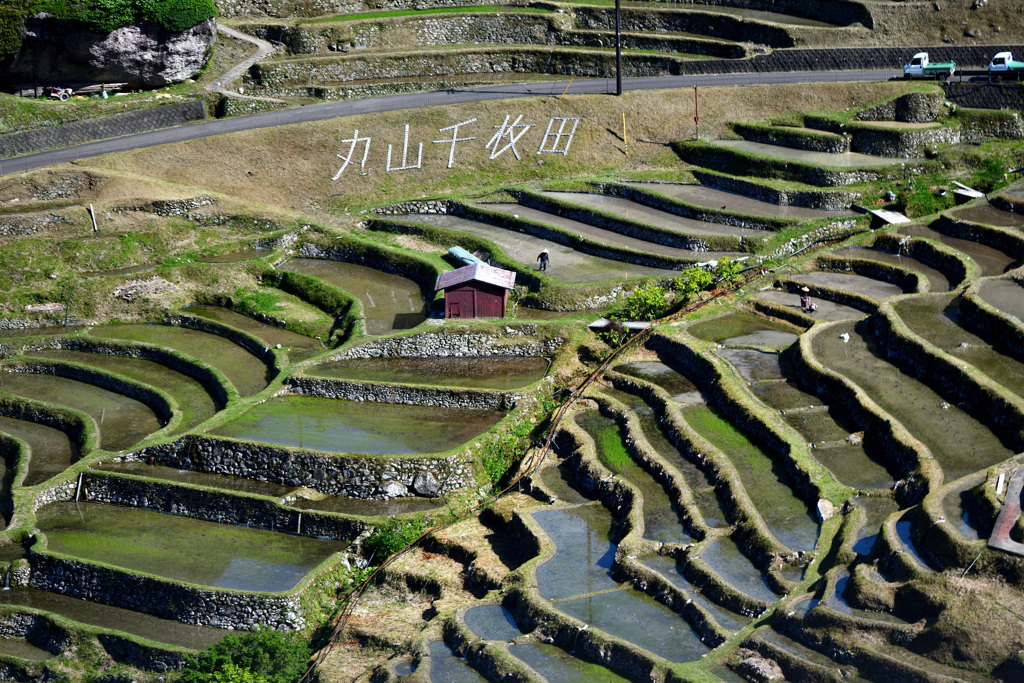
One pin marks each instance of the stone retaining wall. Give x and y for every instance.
(438, 207)
(714, 25)
(335, 475)
(214, 506)
(115, 126)
(915, 107)
(900, 143)
(396, 393)
(163, 598)
(825, 200)
(795, 138)
(979, 124)
(441, 345)
(985, 95)
(37, 629)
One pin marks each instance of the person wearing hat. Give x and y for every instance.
(804, 298)
(543, 258)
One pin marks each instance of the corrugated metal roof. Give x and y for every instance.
(478, 271)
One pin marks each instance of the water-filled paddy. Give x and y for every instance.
(742, 329)
(827, 310)
(838, 602)
(445, 667)
(366, 507)
(844, 160)
(729, 562)
(601, 236)
(182, 548)
(554, 664)
(22, 649)
(937, 279)
(492, 622)
(359, 427)
(645, 214)
(989, 215)
(784, 395)
(670, 569)
(637, 618)
(302, 347)
(497, 372)
(954, 507)
(52, 451)
(193, 400)
(852, 466)
(560, 481)
(702, 195)
(661, 523)
(678, 387)
(767, 484)
(105, 616)
(390, 302)
(245, 371)
(876, 509)
(219, 481)
(936, 318)
(992, 261)
(903, 531)
(583, 551)
(567, 264)
(958, 442)
(1006, 295)
(122, 421)
(850, 282)
(753, 366)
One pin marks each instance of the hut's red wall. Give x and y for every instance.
(475, 300)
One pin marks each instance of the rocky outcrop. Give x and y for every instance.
(142, 55)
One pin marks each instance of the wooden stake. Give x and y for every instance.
(625, 140)
(92, 214)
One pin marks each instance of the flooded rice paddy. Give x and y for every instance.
(300, 347)
(668, 567)
(502, 373)
(52, 451)
(122, 421)
(955, 508)
(827, 310)
(182, 548)
(990, 260)
(959, 443)
(679, 388)
(702, 195)
(390, 302)
(22, 649)
(116, 618)
(492, 622)
(936, 319)
(844, 160)
(193, 399)
(246, 372)
(445, 667)
(645, 214)
(729, 562)
(661, 522)
(555, 665)
(989, 215)
(743, 329)
(340, 426)
(567, 264)
(937, 280)
(583, 551)
(1005, 295)
(873, 289)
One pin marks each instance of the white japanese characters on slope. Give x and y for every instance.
(557, 139)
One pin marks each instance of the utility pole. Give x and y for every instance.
(618, 48)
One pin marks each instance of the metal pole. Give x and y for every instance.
(618, 48)
(696, 112)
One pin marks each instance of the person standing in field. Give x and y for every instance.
(544, 258)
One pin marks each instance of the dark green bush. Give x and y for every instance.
(276, 657)
(10, 25)
(103, 16)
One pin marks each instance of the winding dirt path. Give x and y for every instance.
(263, 49)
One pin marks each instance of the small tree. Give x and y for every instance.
(260, 656)
(647, 302)
(693, 281)
(727, 270)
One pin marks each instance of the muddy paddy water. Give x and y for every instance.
(787, 516)
(567, 264)
(936, 279)
(827, 310)
(936, 318)
(359, 427)
(122, 421)
(52, 451)
(105, 616)
(300, 347)
(390, 302)
(670, 569)
(989, 215)
(246, 372)
(661, 523)
(710, 197)
(729, 562)
(501, 373)
(873, 289)
(645, 214)
(555, 664)
(992, 261)
(742, 329)
(678, 387)
(22, 649)
(445, 667)
(1006, 295)
(958, 442)
(194, 401)
(182, 548)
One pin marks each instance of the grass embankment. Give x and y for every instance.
(470, 9)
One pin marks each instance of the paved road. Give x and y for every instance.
(330, 110)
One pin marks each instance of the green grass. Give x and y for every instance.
(472, 9)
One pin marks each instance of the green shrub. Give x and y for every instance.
(646, 302)
(259, 656)
(392, 536)
(103, 16)
(10, 26)
(693, 281)
(508, 448)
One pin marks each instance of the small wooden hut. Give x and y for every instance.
(476, 291)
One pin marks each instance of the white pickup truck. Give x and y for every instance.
(921, 67)
(1003, 61)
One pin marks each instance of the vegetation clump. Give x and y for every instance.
(260, 656)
